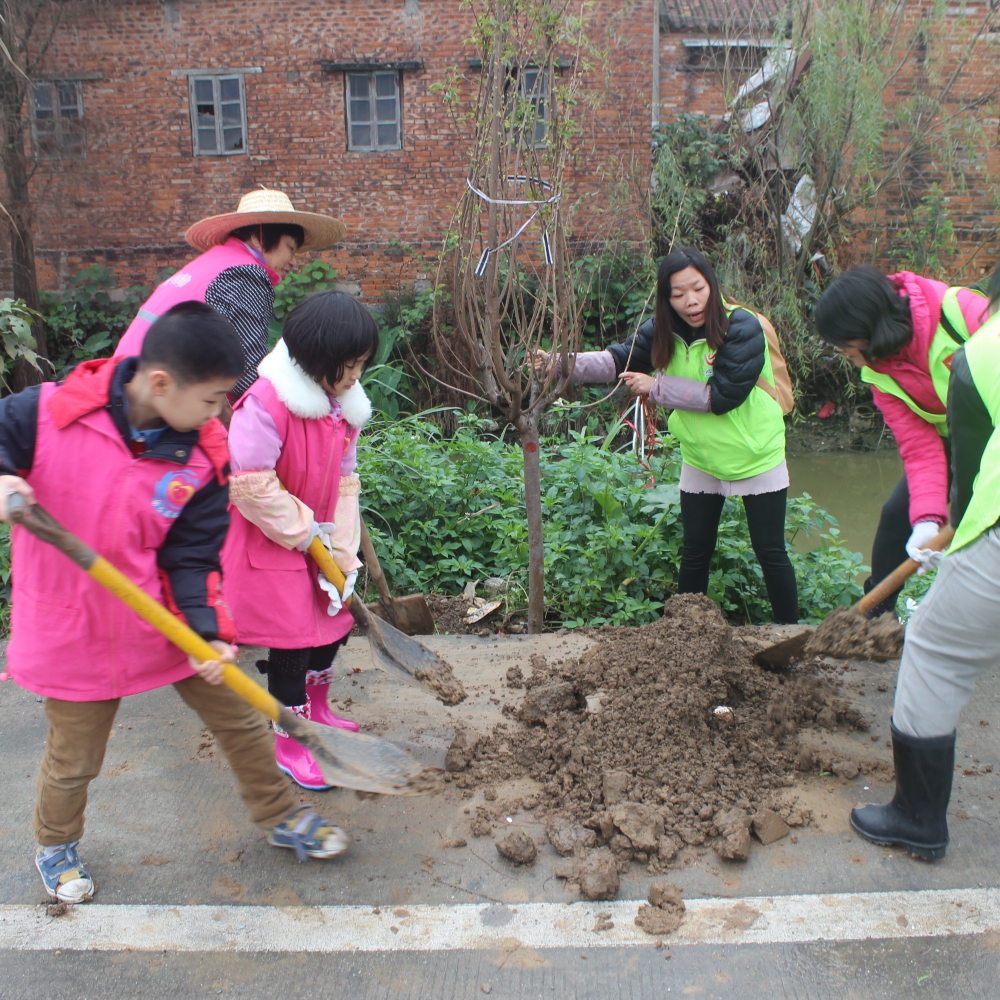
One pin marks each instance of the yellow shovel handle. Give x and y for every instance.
(326, 564)
(181, 635)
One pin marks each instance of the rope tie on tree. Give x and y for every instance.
(541, 203)
(644, 440)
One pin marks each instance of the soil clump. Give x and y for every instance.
(517, 847)
(665, 910)
(447, 688)
(851, 635)
(626, 743)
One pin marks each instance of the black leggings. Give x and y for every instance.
(894, 528)
(889, 547)
(286, 669)
(700, 513)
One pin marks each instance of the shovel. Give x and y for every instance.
(347, 759)
(396, 653)
(781, 654)
(409, 614)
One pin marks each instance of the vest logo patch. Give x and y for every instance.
(173, 491)
(178, 280)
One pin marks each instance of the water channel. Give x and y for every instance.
(852, 486)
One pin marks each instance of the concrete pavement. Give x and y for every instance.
(168, 841)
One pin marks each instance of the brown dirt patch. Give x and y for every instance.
(626, 742)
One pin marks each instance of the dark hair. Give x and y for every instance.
(993, 287)
(194, 343)
(327, 331)
(862, 304)
(270, 233)
(667, 319)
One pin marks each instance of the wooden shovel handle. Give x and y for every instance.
(902, 573)
(327, 566)
(374, 568)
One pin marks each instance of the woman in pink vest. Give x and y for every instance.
(247, 253)
(292, 443)
(899, 326)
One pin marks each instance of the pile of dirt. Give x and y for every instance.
(846, 633)
(628, 741)
(449, 616)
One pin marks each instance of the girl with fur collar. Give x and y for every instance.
(293, 447)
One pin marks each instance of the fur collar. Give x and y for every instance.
(355, 406)
(307, 398)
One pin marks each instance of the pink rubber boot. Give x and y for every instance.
(318, 692)
(294, 759)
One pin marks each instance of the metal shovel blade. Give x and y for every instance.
(783, 653)
(404, 657)
(359, 761)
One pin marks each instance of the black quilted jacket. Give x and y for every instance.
(738, 363)
(970, 428)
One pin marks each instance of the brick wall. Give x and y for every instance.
(129, 201)
(970, 181)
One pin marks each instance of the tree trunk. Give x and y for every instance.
(536, 538)
(22, 245)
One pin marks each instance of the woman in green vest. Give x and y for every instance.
(713, 370)
(902, 330)
(953, 636)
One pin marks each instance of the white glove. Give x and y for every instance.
(916, 546)
(320, 530)
(336, 599)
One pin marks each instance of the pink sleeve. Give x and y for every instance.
(254, 442)
(924, 459)
(973, 308)
(676, 393)
(350, 460)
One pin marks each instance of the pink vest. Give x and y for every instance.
(190, 282)
(70, 638)
(272, 591)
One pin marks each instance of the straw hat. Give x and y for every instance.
(266, 206)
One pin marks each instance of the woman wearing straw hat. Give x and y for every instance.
(247, 253)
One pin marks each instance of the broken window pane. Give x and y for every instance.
(56, 129)
(219, 112)
(68, 103)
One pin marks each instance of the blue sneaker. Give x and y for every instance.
(63, 873)
(309, 835)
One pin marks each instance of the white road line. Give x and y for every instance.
(750, 920)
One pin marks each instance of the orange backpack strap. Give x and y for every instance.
(781, 392)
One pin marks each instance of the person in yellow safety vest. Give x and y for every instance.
(953, 635)
(902, 331)
(713, 369)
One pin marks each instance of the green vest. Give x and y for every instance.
(983, 354)
(736, 445)
(943, 346)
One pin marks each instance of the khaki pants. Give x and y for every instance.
(78, 737)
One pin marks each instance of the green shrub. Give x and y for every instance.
(85, 321)
(316, 276)
(445, 511)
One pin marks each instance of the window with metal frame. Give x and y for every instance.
(56, 120)
(218, 114)
(374, 110)
(533, 84)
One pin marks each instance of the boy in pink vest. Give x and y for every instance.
(293, 442)
(128, 455)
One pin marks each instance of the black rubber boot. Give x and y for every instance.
(917, 816)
